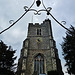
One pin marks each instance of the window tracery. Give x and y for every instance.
(39, 64)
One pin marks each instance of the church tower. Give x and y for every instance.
(39, 53)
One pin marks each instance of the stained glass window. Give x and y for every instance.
(39, 64)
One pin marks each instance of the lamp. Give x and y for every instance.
(38, 2)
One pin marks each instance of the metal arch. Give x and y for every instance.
(17, 19)
(36, 13)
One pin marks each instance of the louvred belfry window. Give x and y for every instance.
(38, 31)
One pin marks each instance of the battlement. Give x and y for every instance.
(46, 22)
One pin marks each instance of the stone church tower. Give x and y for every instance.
(39, 53)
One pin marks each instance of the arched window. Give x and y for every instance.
(39, 64)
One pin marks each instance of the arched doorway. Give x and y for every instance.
(39, 64)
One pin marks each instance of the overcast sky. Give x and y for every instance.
(63, 10)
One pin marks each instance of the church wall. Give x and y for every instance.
(48, 62)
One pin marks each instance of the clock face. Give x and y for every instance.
(39, 40)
